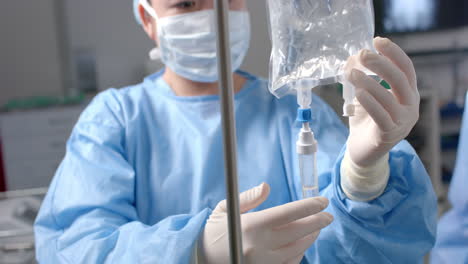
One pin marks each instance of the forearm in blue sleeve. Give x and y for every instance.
(89, 216)
(90, 212)
(100, 236)
(397, 227)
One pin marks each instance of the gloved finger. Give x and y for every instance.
(351, 63)
(380, 116)
(386, 69)
(249, 199)
(383, 96)
(393, 52)
(298, 229)
(284, 214)
(252, 198)
(296, 260)
(297, 247)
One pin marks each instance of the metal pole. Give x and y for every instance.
(226, 90)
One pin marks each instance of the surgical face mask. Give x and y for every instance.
(187, 42)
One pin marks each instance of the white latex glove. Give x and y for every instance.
(280, 234)
(382, 119)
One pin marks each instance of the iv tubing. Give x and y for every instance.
(306, 145)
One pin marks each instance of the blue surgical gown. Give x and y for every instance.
(452, 234)
(144, 169)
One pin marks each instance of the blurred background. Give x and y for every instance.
(55, 55)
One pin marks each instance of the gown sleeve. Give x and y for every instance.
(397, 227)
(89, 213)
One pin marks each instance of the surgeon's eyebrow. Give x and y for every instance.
(173, 2)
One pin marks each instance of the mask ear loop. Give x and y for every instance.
(149, 9)
(155, 53)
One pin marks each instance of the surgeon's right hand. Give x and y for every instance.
(280, 234)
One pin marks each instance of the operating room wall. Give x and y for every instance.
(107, 30)
(258, 58)
(29, 57)
(438, 72)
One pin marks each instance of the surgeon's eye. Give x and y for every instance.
(185, 4)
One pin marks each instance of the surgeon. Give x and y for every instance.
(142, 180)
(452, 232)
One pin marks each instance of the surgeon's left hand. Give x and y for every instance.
(382, 117)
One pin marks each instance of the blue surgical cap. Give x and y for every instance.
(135, 11)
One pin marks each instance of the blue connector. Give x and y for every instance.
(304, 115)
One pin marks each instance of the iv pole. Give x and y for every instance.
(226, 91)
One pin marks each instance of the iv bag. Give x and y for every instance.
(312, 40)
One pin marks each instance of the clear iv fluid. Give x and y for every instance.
(316, 48)
(308, 192)
(309, 177)
(312, 40)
